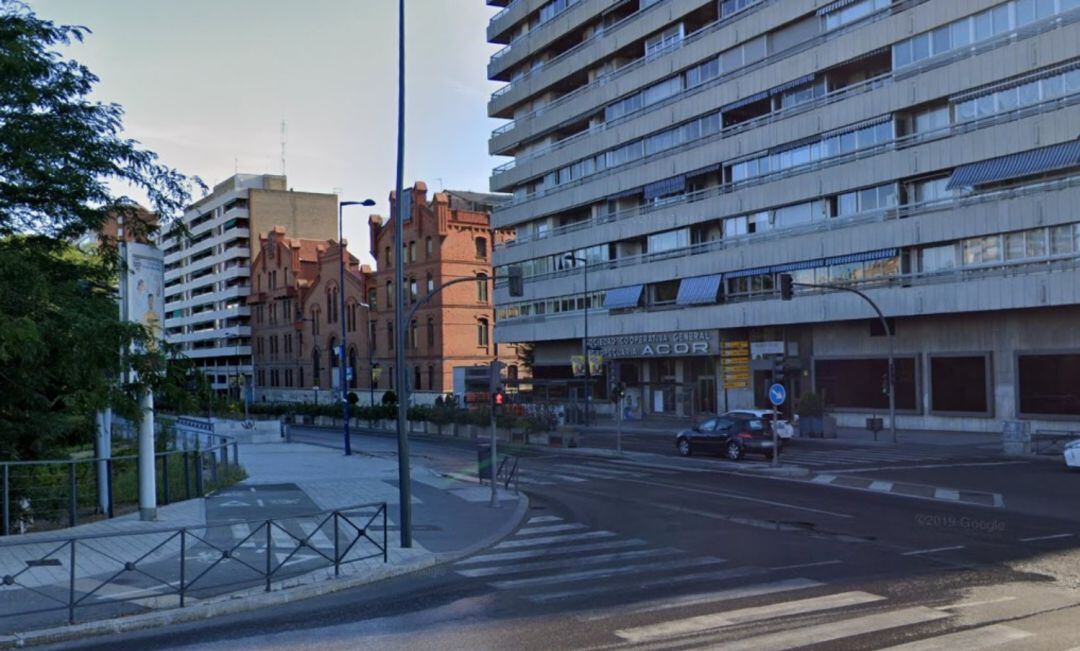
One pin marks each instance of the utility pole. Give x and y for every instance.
(404, 481)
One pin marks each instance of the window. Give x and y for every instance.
(412, 334)
(481, 287)
(851, 12)
(416, 378)
(412, 290)
(663, 293)
(431, 378)
(388, 257)
(390, 335)
(315, 316)
(1062, 239)
(428, 247)
(669, 241)
(862, 383)
(316, 365)
(352, 372)
(372, 298)
(430, 333)
(481, 248)
(959, 384)
(430, 283)
(931, 119)
(412, 251)
(1049, 384)
(664, 40)
(331, 304)
(371, 334)
(482, 334)
(389, 294)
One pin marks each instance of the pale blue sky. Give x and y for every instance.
(206, 84)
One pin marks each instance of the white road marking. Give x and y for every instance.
(830, 631)
(604, 573)
(260, 502)
(973, 604)
(590, 471)
(884, 486)
(802, 565)
(316, 537)
(917, 552)
(569, 478)
(552, 528)
(932, 466)
(976, 638)
(700, 598)
(743, 498)
(540, 519)
(553, 551)
(823, 479)
(714, 575)
(567, 563)
(947, 494)
(533, 542)
(1050, 537)
(713, 621)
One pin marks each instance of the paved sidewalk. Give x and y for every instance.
(287, 482)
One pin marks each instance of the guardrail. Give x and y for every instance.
(1047, 441)
(131, 571)
(508, 472)
(52, 494)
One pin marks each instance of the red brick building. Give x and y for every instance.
(445, 238)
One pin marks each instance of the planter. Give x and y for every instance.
(812, 426)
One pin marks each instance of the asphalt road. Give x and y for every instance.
(678, 554)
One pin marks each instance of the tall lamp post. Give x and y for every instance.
(585, 339)
(341, 317)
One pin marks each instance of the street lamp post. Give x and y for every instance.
(341, 317)
(585, 339)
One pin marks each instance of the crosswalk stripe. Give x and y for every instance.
(316, 537)
(597, 474)
(976, 638)
(534, 542)
(831, 631)
(551, 528)
(553, 551)
(535, 482)
(712, 621)
(566, 563)
(714, 575)
(741, 592)
(569, 478)
(604, 573)
(614, 472)
(540, 519)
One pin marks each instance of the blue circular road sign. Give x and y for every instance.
(777, 394)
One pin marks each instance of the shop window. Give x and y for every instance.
(861, 383)
(1049, 384)
(959, 384)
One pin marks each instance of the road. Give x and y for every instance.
(689, 553)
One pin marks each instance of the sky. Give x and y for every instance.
(207, 83)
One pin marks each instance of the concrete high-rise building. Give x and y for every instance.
(922, 151)
(207, 271)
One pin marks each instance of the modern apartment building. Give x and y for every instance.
(923, 152)
(207, 270)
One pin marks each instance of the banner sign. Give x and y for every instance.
(684, 343)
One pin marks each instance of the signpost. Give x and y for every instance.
(777, 396)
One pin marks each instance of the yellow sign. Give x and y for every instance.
(376, 373)
(596, 364)
(577, 364)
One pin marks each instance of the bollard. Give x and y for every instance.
(187, 473)
(109, 480)
(7, 502)
(165, 478)
(72, 502)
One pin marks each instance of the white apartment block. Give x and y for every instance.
(924, 152)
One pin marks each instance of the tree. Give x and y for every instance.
(60, 333)
(59, 151)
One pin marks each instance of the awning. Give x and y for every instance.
(743, 273)
(622, 298)
(749, 99)
(700, 290)
(626, 193)
(833, 6)
(797, 266)
(805, 79)
(1014, 166)
(998, 86)
(862, 257)
(667, 186)
(856, 127)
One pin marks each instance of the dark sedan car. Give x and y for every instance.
(731, 435)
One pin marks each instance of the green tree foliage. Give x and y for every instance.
(60, 156)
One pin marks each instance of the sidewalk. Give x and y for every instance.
(287, 482)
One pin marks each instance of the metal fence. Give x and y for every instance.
(123, 573)
(41, 495)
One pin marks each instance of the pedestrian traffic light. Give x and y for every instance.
(515, 280)
(787, 287)
(618, 391)
(498, 399)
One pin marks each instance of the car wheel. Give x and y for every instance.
(684, 447)
(734, 451)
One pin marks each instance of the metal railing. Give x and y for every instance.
(508, 472)
(52, 494)
(1046, 441)
(171, 567)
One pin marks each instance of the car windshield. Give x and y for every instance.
(755, 424)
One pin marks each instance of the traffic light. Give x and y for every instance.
(515, 280)
(498, 399)
(618, 391)
(787, 287)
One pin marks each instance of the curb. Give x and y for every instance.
(322, 582)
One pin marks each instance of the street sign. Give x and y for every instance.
(777, 394)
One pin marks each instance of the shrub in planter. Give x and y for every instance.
(389, 398)
(811, 409)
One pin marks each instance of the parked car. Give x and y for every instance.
(732, 434)
(1072, 455)
(785, 430)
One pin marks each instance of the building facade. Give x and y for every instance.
(689, 151)
(208, 270)
(446, 238)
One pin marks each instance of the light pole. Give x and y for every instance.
(585, 339)
(341, 316)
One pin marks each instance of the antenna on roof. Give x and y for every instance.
(440, 184)
(283, 141)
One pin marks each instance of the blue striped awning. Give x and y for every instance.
(797, 266)
(749, 99)
(833, 6)
(622, 297)
(861, 257)
(667, 186)
(743, 273)
(700, 290)
(1014, 166)
(805, 79)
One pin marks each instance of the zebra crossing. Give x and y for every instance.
(554, 562)
(579, 473)
(852, 457)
